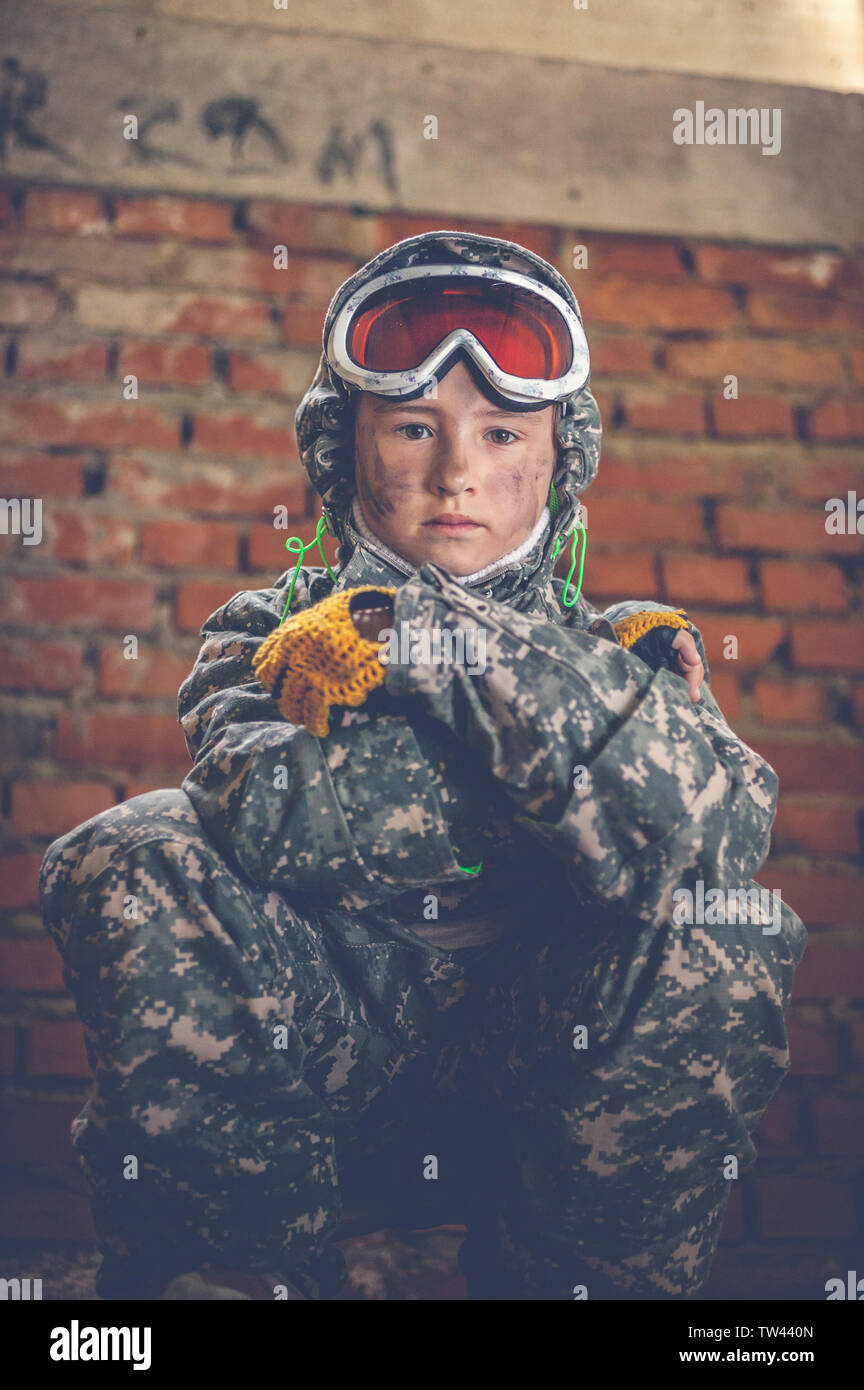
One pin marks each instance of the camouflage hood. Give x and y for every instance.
(325, 433)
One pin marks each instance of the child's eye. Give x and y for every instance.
(414, 425)
(501, 430)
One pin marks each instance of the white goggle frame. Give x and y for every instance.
(415, 380)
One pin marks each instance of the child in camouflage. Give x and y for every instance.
(406, 930)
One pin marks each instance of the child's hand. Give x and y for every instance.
(689, 662)
(318, 657)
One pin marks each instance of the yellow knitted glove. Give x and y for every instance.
(317, 658)
(629, 630)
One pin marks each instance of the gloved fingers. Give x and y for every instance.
(292, 700)
(316, 709)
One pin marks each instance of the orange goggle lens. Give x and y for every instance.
(400, 325)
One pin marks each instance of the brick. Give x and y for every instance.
(666, 415)
(189, 544)
(805, 1207)
(156, 672)
(778, 1129)
(7, 212)
(81, 538)
(858, 706)
(331, 230)
(53, 808)
(828, 830)
(820, 900)
(826, 645)
(31, 964)
(169, 311)
(750, 265)
(33, 1211)
(753, 415)
(65, 210)
(189, 218)
(19, 874)
(615, 521)
(727, 693)
(287, 372)
(608, 254)
(302, 324)
(808, 766)
(56, 1048)
(622, 356)
(109, 739)
(839, 1119)
(758, 638)
(39, 420)
(789, 702)
(242, 435)
(828, 473)
(792, 587)
(39, 475)
(804, 313)
(856, 365)
(659, 467)
(26, 664)
(210, 489)
(46, 359)
(754, 359)
(637, 304)
(776, 528)
(856, 1040)
(312, 280)
(34, 1129)
(165, 364)
(197, 599)
(618, 574)
(838, 420)
(705, 578)
(25, 305)
(74, 258)
(813, 1049)
(127, 605)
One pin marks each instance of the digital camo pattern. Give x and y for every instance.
(274, 899)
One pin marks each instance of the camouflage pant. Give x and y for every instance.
(257, 1060)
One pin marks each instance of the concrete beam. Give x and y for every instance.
(335, 120)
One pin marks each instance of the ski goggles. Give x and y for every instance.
(404, 329)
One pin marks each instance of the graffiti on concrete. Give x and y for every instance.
(235, 124)
(23, 91)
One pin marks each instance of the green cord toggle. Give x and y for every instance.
(568, 603)
(292, 549)
(475, 870)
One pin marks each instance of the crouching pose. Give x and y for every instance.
(412, 928)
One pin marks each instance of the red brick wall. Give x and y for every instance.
(156, 511)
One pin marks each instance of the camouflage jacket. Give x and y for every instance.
(575, 771)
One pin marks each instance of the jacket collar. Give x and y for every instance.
(521, 579)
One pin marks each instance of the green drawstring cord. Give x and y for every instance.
(557, 546)
(292, 549)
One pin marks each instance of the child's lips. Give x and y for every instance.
(448, 524)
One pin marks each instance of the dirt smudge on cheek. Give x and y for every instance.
(382, 488)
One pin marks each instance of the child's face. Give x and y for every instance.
(456, 453)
